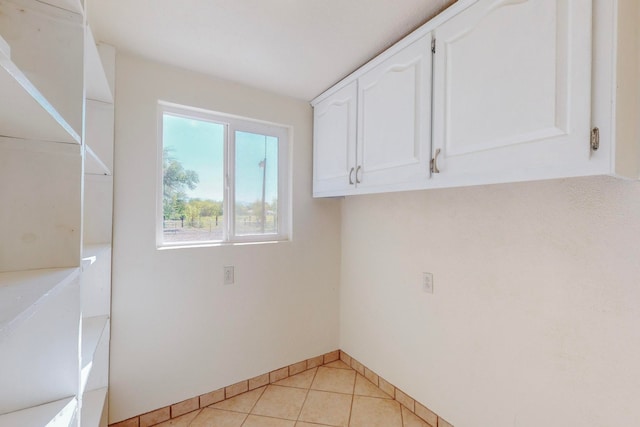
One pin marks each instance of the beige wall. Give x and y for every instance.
(176, 330)
(536, 311)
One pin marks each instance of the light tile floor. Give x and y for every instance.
(332, 395)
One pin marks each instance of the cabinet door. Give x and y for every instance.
(334, 143)
(394, 134)
(512, 91)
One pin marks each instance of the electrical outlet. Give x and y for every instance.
(427, 282)
(228, 275)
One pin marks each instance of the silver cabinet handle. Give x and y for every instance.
(350, 176)
(434, 162)
(358, 180)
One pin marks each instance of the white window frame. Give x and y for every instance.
(231, 124)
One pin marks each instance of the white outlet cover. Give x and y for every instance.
(228, 275)
(427, 282)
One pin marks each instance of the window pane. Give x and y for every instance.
(193, 179)
(256, 180)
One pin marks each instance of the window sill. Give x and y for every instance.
(187, 245)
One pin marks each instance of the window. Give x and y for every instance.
(221, 178)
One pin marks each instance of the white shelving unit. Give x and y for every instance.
(97, 223)
(56, 158)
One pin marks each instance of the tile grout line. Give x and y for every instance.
(307, 395)
(353, 395)
(255, 403)
(191, 422)
(266, 416)
(257, 400)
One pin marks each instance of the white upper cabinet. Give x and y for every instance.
(515, 90)
(373, 134)
(512, 92)
(334, 148)
(393, 121)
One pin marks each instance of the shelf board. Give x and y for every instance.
(5, 49)
(22, 292)
(99, 133)
(97, 85)
(55, 414)
(91, 253)
(92, 331)
(70, 5)
(93, 164)
(93, 403)
(29, 115)
(88, 261)
(95, 249)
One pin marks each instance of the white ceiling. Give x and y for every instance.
(297, 48)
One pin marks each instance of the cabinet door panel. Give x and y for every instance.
(394, 108)
(512, 87)
(334, 146)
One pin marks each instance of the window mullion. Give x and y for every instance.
(284, 188)
(230, 142)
